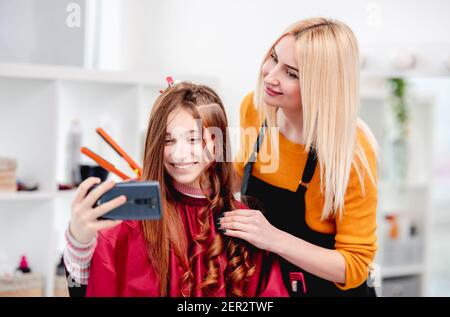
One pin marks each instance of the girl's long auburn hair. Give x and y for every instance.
(168, 232)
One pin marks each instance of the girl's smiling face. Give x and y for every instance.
(281, 76)
(185, 156)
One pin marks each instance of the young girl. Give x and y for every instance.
(183, 254)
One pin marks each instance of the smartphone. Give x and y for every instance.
(143, 201)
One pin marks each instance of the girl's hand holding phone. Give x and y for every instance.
(84, 224)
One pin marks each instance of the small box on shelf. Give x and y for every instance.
(61, 289)
(8, 182)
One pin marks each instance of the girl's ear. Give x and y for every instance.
(210, 145)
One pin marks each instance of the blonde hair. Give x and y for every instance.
(328, 59)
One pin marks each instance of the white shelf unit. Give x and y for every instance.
(37, 105)
(403, 270)
(26, 196)
(402, 261)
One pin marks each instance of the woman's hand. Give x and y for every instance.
(83, 221)
(251, 226)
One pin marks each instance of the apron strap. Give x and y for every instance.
(310, 167)
(252, 159)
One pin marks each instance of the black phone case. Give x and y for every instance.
(143, 201)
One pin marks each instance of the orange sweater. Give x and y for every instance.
(355, 234)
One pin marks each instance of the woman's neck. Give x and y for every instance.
(290, 124)
(188, 190)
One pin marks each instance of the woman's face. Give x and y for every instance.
(280, 72)
(185, 157)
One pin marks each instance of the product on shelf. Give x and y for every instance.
(87, 171)
(403, 244)
(60, 269)
(27, 187)
(23, 266)
(6, 268)
(393, 232)
(8, 168)
(61, 289)
(74, 140)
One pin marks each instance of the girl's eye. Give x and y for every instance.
(195, 140)
(169, 141)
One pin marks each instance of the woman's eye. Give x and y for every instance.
(292, 75)
(273, 57)
(169, 141)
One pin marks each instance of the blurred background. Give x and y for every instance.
(68, 67)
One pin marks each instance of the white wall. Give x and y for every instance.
(34, 31)
(228, 38)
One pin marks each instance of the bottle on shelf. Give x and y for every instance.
(73, 152)
(394, 230)
(23, 266)
(60, 269)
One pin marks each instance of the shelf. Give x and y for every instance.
(50, 72)
(26, 196)
(66, 193)
(402, 270)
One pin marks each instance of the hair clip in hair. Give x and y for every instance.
(170, 83)
(169, 80)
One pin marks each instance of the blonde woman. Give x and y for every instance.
(320, 201)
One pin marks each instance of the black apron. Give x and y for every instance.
(285, 210)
